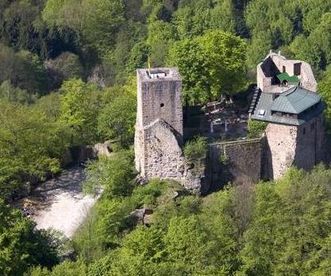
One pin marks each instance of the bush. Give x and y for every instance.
(114, 174)
(256, 128)
(195, 149)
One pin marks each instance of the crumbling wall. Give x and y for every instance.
(276, 63)
(161, 156)
(235, 161)
(163, 153)
(159, 125)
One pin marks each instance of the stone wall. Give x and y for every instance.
(286, 146)
(311, 144)
(159, 129)
(236, 161)
(158, 98)
(280, 149)
(276, 63)
(163, 155)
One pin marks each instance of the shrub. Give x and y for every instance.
(195, 149)
(256, 128)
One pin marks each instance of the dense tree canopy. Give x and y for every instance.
(276, 228)
(30, 146)
(20, 244)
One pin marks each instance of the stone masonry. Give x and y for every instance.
(159, 126)
(294, 135)
(295, 131)
(276, 63)
(300, 146)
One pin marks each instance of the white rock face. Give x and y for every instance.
(65, 213)
(62, 204)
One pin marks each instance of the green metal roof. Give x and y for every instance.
(290, 79)
(295, 101)
(263, 110)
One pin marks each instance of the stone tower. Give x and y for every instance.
(159, 125)
(287, 100)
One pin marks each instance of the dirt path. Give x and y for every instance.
(60, 203)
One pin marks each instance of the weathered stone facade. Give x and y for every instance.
(159, 126)
(300, 146)
(159, 129)
(238, 162)
(276, 63)
(295, 133)
(162, 153)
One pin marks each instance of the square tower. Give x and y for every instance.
(159, 97)
(159, 125)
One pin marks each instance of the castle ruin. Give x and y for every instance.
(285, 98)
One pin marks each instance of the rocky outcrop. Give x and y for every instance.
(142, 215)
(103, 149)
(80, 154)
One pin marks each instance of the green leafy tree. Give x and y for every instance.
(258, 48)
(188, 246)
(64, 67)
(211, 65)
(30, 146)
(324, 88)
(290, 225)
(256, 128)
(140, 254)
(79, 110)
(194, 18)
(23, 69)
(196, 149)
(14, 94)
(117, 119)
(160, 38)
(305, 200)
(259, 251)
(21, 245)
(113, 174)
(69, 268)
(95, 20)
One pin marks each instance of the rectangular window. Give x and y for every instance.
(297, 69)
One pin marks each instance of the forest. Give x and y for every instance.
(67, 79)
